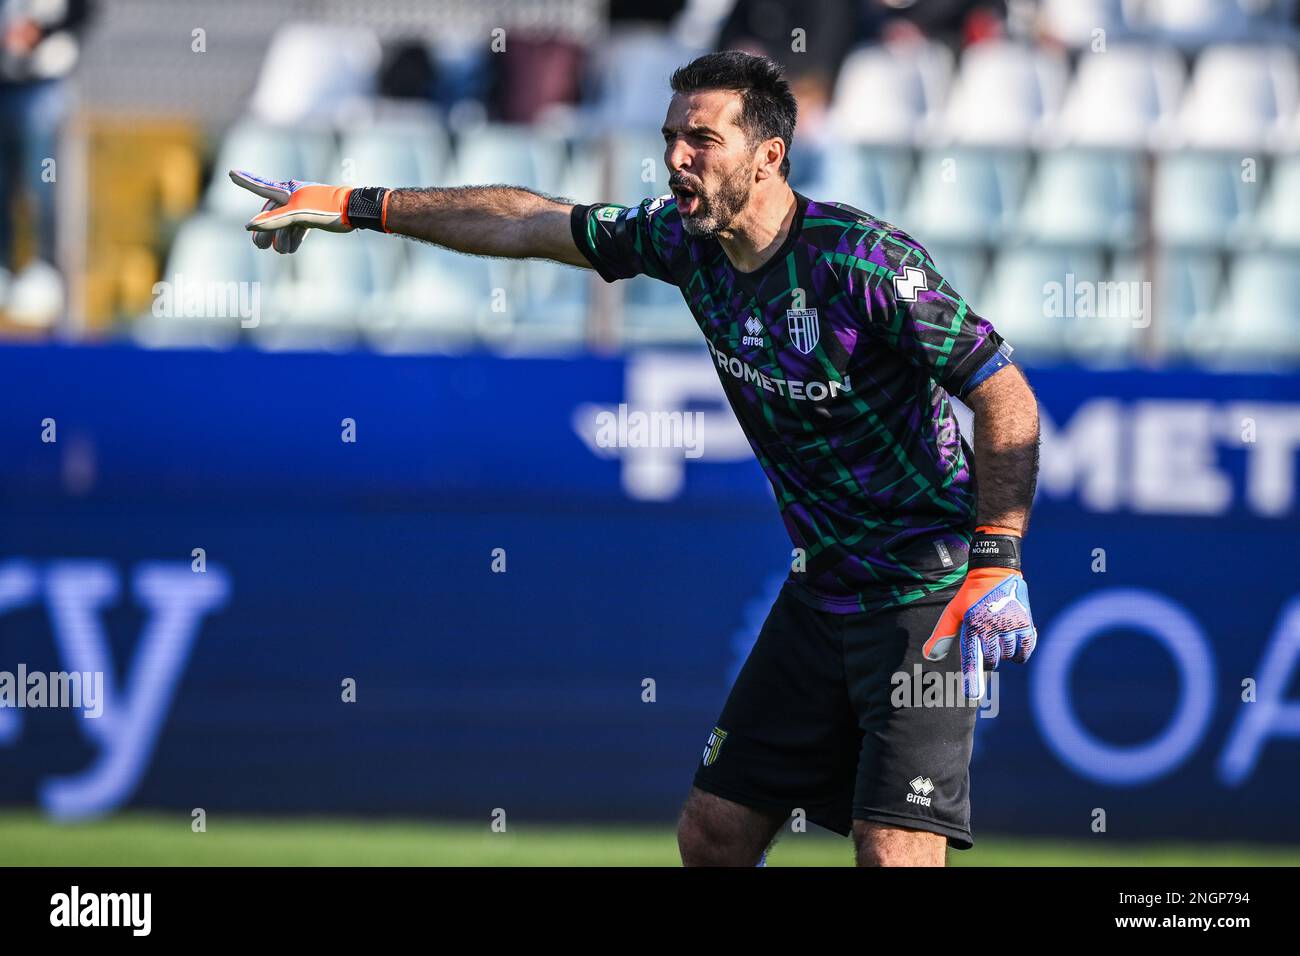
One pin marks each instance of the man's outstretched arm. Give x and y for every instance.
(989, 618)
(503, 221)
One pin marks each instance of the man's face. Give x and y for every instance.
(710, 163)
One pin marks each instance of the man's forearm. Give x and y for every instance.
(504, 221)
(1006, 449)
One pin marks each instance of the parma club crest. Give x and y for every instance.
(714, 745)
(804, 329)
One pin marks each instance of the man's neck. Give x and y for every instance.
(758, 232)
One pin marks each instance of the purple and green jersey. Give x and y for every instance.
(837, 356)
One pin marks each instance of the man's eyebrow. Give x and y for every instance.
(697, 130)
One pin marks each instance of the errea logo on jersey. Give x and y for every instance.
(922, 787)
(754, 332)
(908, 283)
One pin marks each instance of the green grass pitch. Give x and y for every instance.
(154, 839)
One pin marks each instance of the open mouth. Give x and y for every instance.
(688, 201)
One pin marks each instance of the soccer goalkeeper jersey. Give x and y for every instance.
(837, 356)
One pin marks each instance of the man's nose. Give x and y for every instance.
(677, 156)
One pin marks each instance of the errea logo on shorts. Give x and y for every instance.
(922, 787)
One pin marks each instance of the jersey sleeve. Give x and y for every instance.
(909, 306)
(625, 241)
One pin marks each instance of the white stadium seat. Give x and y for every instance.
(890, 94)
(1125, 97)
(1240, 97)
(1005, 94)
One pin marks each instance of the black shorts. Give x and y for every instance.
(818, 721)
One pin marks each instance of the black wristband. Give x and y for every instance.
(994, 551)
(366, 207)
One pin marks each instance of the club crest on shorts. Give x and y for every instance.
(714, 745)
(804, 328)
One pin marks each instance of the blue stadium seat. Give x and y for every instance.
(438, 303)
(1278, 220)
(1199, 199)
(1031, 292)
(508, 154)
(654, 313)
(964, 267)
(305, 153)
(965, 195)
(1083, 196)
(208, 254)
(1258, 320)
(1189, 284)
(871, 178)
(402, 153)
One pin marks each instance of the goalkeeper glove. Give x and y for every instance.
(989, 617)
(293, 207)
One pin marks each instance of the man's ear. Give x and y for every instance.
(770, 155)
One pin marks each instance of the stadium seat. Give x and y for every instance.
(334, 282)
(1125, 97)
(871, 178)
(965, 195)
(1075, 22)
(1188, 286)
(315, 72)
(889, 94)
(437, 304)
(1192, 24)
(636, 166)
(635, 98)
(305, 153)
(1278, 220)
(964, 267)
(1257, 325)
(583, 177)
(395, 154)
(1240, 97)
(553, 315)
(208, 257)
(1110, 332)
(1199, 199)
(654, 313)
(508, 154)
(1083, 196)
(1005, 94)
(1031, 293)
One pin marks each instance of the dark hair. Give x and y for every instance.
(768, 109)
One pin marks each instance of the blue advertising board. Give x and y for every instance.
(538, 606)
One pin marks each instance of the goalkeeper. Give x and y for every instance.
(838, 344)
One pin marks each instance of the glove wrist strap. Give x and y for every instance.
(990, 550)
(366, 208)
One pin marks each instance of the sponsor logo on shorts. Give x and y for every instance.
(922, 787)
(714, 745)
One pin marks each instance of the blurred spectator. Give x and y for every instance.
(954, 23)
(40, 50)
